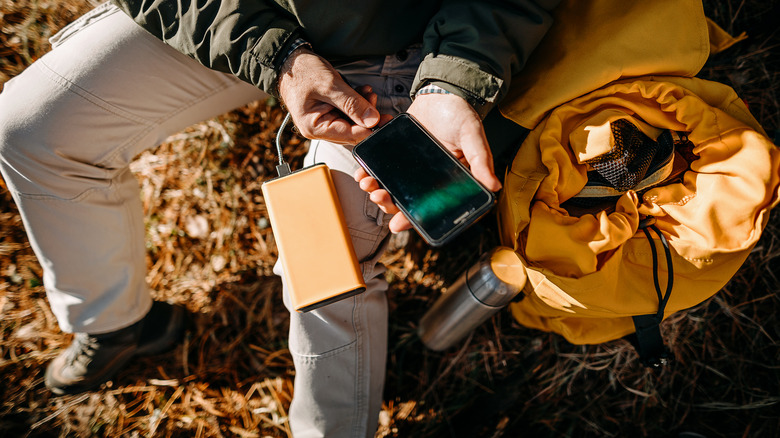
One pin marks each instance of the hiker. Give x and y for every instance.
(72, 122)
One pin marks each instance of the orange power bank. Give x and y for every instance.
(315, 249)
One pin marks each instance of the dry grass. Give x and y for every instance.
(210, 248)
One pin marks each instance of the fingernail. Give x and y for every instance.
(371, 117)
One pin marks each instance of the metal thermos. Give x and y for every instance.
(484, 289)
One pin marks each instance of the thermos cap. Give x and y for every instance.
(508, 267)
(497, 278)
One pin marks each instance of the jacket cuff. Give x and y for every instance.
(263, 61)
(461, 77)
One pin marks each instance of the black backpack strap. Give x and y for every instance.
(647, 340)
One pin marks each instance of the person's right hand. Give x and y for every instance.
(322, 105)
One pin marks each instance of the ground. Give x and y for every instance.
(210, 248)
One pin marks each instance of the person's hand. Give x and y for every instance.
(458, 127)
(323, 106)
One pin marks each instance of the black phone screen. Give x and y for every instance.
(437, 193)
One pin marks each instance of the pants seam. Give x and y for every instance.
(312, 357)
(364, 235)
(52, 198)
(111, 109)
(157, 122)
(89, 97)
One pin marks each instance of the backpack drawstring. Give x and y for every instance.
(662, 300)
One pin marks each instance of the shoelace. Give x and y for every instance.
(85, 347)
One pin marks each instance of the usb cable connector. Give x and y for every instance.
(283, 168)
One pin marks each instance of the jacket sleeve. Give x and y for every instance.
(473, 48)
(244, 38)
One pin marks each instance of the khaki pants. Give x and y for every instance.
(69, 127)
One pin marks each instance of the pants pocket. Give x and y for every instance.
(324, 331)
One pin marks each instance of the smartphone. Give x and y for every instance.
(434, 190)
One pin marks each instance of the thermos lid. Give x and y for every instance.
(497, 278)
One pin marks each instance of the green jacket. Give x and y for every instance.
(471, 48)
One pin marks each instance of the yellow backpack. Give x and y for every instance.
(598, 274)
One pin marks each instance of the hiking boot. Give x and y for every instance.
(91, 360)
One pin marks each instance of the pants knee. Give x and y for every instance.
(22, 159)
(15, 152)
(33, 160)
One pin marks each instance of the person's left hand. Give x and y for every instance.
(458, 127)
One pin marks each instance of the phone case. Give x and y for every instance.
(315, 249)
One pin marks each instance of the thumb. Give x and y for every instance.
(356, 107)
(484, 174)
(477, 154)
